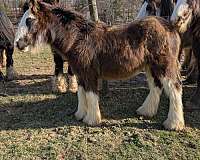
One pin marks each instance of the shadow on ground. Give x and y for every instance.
(118, 107)
(27, 84)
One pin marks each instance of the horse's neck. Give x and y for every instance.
(65, 38)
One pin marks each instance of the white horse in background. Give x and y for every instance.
(22, 28)
(161, 8)
(143, 12)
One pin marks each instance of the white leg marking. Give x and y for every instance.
(59, 84)
(73, 85)
(93, 116)
(175, 120)
(82, 104)
(150, 106)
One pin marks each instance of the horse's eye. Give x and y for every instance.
(29, 21)
(185, 14)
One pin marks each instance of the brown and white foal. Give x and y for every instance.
(96, 51)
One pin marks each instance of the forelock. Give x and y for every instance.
(195, 4)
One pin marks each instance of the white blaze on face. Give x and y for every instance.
(178, 16)
(143, 12)
(180, 8)
(22, 28)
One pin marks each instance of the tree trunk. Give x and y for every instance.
(93, 10)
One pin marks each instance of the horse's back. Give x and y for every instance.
(159, 33)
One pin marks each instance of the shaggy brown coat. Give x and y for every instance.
(96, 51)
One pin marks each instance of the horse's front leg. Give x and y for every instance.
(93, 116)
(10, 72)
(59, 83)
(88, 99)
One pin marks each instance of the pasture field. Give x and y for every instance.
(37, 124)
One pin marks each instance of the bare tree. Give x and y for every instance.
(93, 10)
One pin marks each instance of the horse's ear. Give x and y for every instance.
(43, 6)
(38, 5)
(33, 6)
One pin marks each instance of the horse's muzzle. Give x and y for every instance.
(21, 45)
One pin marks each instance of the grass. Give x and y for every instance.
(37, 124)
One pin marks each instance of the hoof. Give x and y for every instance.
(80, 115)
(190, 107)
(92, 120)
(142, 112)
(59, 84)
(73, 85)
(174, 125)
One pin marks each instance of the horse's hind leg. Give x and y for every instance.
(59, 83)
(173, 89)
(150, 106)
(10, 73)
(73, 85)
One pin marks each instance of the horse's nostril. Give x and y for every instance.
(17, 43)
(173, 22)
(20, 45)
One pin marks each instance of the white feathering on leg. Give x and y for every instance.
(175, 120)
(93, 116)
(59, 84)
(82, 104)
(150, 106)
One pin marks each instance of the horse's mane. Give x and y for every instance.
(68, 15)
(195, 24)
(196, 7)
(166, 24)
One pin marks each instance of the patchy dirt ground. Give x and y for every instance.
(36, 124)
